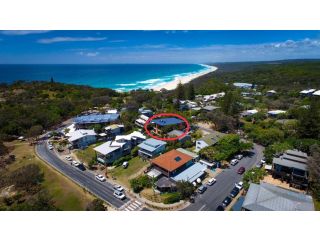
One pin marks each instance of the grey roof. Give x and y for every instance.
(210, 108)
(191, 173)
(192, 154)
(268, 197)
(165, 182)
(297, 153)
(290, 164)
(175, 133)
(212, 138)
(151, 144)
(293, 159)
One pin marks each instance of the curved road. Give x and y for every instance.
(215, 194)
(86, 179)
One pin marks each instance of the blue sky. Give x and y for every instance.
(81, 47)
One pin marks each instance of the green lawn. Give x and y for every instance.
(66, 194)
(86, 155)
(123, 175)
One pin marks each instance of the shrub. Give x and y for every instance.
(170, 198)
(121, 160)
(139, 183)
(253, 176)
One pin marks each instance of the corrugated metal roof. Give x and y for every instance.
(167, 121)
(212, 138)
(290, 164)
(77, 134)
(267, 197)
(151, 144)
(96, 118)
(108, 147)
(191, 173)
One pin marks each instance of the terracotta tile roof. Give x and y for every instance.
(171, 160)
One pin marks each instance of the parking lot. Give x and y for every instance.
(215, 194)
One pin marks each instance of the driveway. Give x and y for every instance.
(86, 179)
(215, 194)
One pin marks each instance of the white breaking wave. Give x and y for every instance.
(150, 81)
(126, 84)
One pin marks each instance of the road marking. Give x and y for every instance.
(134, 204)
(130, 208)
(202, 207)
(139, 203)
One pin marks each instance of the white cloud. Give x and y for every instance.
(23, 32)
(307, 42)
(117, 41)
(89, 54)
(70, 39)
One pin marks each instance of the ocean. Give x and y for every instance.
(121, 77)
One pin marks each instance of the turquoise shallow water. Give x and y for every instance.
(122, 77)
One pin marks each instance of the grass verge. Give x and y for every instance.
(66, 194)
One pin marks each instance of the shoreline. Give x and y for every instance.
(184, 79)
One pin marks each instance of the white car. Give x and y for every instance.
(239, 156)
(212, 181)
(234, 162)
(50, 147)
(75, 163)
(119, 195)
(100, 178)
(118, 188)
(68, 158)
(263, 160)
(239, 185)
(125, 164)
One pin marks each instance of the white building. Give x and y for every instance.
(307, 92)
(275, 113)
(249, 112)
(316, 93)
(212, 97)
(82, 138)
(141, 120)
(121, 146)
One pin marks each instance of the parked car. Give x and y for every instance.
(118, 188)
(263, 160)
(50, 147)
(212, 181)
(125, 164)
(239, 185)
(202, 189)
(259, 165)
(220, 208)
(234, 192)
(119, 195)
(81, 167)
(226, 201)
(100, 178)
(239, 156)
(68, 158)
(241, 170)
(234, 162)
(75, 163)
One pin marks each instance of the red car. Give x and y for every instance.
(241, 170)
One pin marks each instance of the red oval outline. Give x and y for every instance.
(167, 115)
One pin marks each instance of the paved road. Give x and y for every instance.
(84, 178)
(213, 197)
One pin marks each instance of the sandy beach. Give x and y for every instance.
(184, 79)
